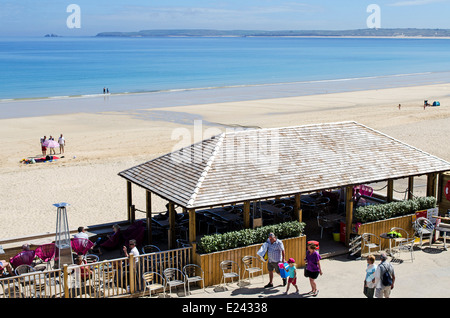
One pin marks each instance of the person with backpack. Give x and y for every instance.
(384, 278)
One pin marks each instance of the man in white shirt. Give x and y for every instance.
(134, 250)
(81, 233)
(62, 143)
(381, 290)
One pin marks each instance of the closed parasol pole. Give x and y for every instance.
(63, 253)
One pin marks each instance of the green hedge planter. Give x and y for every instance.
(235, 239)
(371, 213)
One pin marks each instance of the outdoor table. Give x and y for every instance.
(443, 227)
(386, 236)
(335, 218)
(227, 216)
(445, 230)
(162, 223)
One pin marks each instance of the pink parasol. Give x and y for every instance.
(51, 144)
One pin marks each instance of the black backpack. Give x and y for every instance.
(386, 278)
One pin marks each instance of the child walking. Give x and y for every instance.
(292, 275)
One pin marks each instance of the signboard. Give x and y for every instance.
(447, 190)
(428, 214)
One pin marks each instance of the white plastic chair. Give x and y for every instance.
(174, 277)
(252, 265)
(371, 241)
(150, 249)
(193, 273)
(398, 240)
(406, 246)
(423, 227)
(230, 269)
(323, 223)
(153, 281)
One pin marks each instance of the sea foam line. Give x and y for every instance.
(173, 90)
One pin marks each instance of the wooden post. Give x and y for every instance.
(297, 208)
(148, 215)
(192, 226)
(390, 190)
(440, 187)
(246, 214)
(410, 188)
(66, 281)
(171, 238)
(132, 265)
(132, 213)
(348, 213)
(431, 185)
(129, 200)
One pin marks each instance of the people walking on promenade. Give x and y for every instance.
(369, 280)
(313, 267)
(276, 254)
(384, 278)
(292, 270)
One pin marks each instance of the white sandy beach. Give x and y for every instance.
(99, 145)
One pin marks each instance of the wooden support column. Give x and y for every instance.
(431, 184)
(348, 213)
(129, 201)
(172, 238)
(148, 215)
(192, 226)
(440, 187)
(297, 208)
(390, 190)
(410, 188)
(247, 214)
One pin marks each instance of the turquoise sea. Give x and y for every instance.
(64, 66)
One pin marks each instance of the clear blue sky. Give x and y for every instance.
(35, 18)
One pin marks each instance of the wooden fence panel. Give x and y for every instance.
(294, 247)
(384, 226)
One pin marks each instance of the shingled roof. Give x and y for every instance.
(264, 163)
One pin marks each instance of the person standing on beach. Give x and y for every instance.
(104, 90)
(275, 253)
(52, 149)
(62, 143)
(43, 148)
(313, 267)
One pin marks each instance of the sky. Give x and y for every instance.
(37, 18)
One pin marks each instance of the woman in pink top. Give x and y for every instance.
(313, 268)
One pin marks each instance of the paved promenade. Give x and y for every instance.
(428, 276)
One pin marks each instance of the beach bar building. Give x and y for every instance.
(247, 166)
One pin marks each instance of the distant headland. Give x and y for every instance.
(400, 32)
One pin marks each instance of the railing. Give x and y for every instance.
(120, 277)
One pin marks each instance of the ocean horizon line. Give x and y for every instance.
(36, 98)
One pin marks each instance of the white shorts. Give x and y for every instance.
(383, 292)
